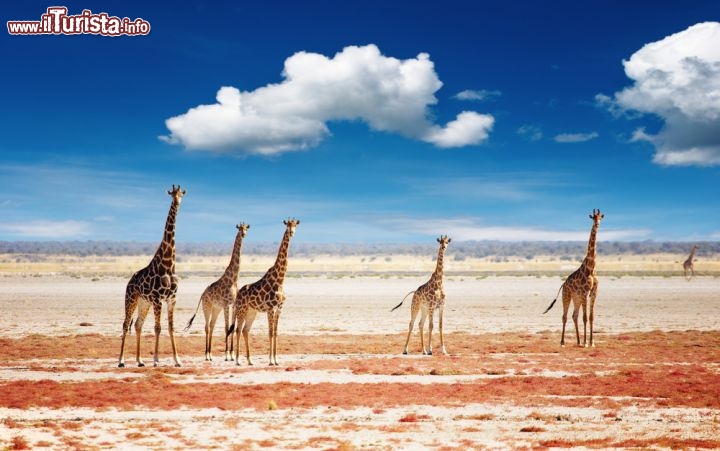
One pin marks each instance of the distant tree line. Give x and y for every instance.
(457, 250)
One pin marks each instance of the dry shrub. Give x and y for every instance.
(532, 429)
(414, 418)
(19, 442)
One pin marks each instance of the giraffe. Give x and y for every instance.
(152, 285)
(265, 295)
(220, 295)
(427, 298)
(582, 286)
(689, 264)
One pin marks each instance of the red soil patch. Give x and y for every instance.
(655, 369)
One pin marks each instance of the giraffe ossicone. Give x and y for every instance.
(151, 286)
(426, 299)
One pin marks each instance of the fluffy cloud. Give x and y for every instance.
(575, 137)
(677, 79)
(358, 83)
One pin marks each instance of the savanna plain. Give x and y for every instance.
(651, 381)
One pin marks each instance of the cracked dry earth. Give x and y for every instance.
(649, 389)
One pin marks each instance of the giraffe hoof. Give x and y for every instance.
(141, 364)
(178, 365)
(405, 352)
(121, 365)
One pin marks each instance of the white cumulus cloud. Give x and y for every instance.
(678, 79)
(357, 83)
(575, 137)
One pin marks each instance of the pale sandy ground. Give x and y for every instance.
(320, 305)
(56, 305)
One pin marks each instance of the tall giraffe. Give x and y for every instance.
(265, 295)
(581, 287)
(152, 285)
(428, 297)
(220, 295)
(689, 264)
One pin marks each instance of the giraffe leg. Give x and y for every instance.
(273, 350)
(130, 305)
(575, 314)
(430, 329)
(157, 311)
(413, 314)
(143, 308)
(209, 332)
(207, 313)
(171, 329)
(440, 323)
(228, 350)
(566, 306)
(249, 319)
(585, 318)
(423, 316)
(593, 296)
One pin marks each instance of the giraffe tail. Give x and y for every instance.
(194, 315)
(401, 302)
(554, 300)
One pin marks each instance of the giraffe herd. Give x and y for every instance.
(157, 283)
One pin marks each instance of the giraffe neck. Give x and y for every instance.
(276, 274)
(165, 254)
(233, 269)
(438, 274)
(589, 262)
(692, 254)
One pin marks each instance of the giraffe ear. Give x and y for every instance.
(449, 240)
(297, 222)
(284, 222)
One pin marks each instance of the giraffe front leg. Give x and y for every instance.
(575, 315)
(423, 316)
(276, 321)
(593, 296)
(430, 330)
(142, 314)
(228, 343)
(130, 304)
(584, 314)
(442, 342)
(157, 311)
(171, 329)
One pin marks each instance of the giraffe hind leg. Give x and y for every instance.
(130, 305)
(566, 305)
(414, 309)
(143, 308)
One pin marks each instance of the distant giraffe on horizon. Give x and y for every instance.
(152, 285)
(220, 295)
(689, 264)
(265, 295)
(428, 297)
(581, 287)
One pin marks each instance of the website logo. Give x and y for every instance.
(57, 21)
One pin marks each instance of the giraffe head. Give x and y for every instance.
(243, 228)
(596, 216)
(177, 194)
(444, 241)
(291, 224)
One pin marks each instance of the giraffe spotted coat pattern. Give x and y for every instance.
(151, 286)
(266, 295)
(220, 296)
(581, 287)
(429, 297)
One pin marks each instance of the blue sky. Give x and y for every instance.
(371, 121)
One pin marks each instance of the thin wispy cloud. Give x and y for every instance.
(678, 79)
(471, 229)
(477, 94)
(46, 229)
(357, 83)
(530, 132)
(575, 137)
